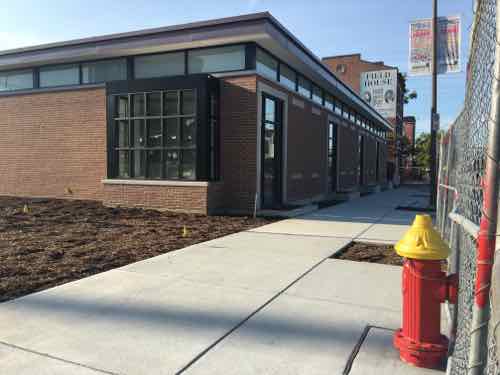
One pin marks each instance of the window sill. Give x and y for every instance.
(154, 182)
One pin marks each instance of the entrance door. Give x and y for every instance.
(271, 132)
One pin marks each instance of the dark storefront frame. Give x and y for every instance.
(206, 147)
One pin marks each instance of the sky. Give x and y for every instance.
(378, 29)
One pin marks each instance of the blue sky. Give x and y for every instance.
(378, 29)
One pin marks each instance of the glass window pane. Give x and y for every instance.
(154, 104)
(123, 164)
(267, 65)
(304, 87)
(287, 77)
(210, 60)
(139, 163)
(188, 132)
(169, 64)
(317, 94)
(270, 110)
(103, 71)
(155, 133)
(16, 80)
(171, 105)
(172, 164)
(60, 75)
(123, 134)
(188, 102)
(139, 134)
(121, 106)
(154, 164)
(173, 139)
(329, 101)
(138, 107)
(188, 164)
(338, 108)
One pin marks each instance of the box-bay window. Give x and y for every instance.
(163, 129)
(143, 151)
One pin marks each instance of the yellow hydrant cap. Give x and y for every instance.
(422, 241)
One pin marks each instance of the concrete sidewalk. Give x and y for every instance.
(265, 301)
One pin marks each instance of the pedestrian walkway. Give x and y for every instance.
(264, 301)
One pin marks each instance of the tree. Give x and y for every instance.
(407, 95)
(422, 151)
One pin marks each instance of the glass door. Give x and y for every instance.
(271, 151)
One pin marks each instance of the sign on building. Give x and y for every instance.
(448, 46)
(379, 89)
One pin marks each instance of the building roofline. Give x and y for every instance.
(340, 56)
(140, 33)
(381, 62)
(192, 26)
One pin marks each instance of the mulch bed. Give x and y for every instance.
(49, 242)
(372, 253)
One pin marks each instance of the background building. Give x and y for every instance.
(229, 115)
(409, 123)
(350, 69)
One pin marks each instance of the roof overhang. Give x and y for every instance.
(261, 28)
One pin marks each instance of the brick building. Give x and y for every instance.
(409, 123)
(226, 115)
(348, 68)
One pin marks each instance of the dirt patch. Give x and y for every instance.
(371, 253)
(47, 242)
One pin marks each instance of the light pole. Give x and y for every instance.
(434, 121)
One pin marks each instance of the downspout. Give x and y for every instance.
(487, 226)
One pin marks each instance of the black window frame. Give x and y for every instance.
(206, 144)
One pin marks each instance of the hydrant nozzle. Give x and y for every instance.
(425, 286)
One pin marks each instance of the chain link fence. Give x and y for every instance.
(460, 194)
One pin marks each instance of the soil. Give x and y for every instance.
(48, 242)
(372, 253)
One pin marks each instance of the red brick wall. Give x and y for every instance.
(354, 67)
(307, 142)
(238, 140)
(348, 158)
(370, 161)
(176, 198)
(54, 145)
(52, 142)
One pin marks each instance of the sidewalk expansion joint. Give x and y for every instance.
(46, 355)
(250, 316)
(357, 347)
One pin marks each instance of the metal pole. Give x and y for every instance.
(432, 202)
(487, 226)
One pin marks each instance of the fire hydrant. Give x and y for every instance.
(424, 286)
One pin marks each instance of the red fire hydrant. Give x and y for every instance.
(425, 286)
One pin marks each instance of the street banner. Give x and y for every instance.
(378, 88)
(448, 46)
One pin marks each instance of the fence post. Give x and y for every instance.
(487, 228)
